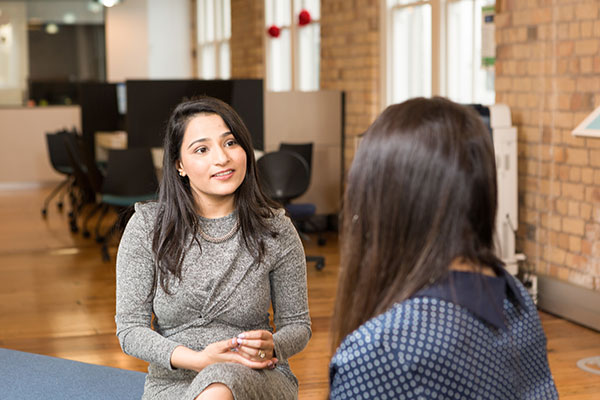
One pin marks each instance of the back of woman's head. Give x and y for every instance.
(421, 193)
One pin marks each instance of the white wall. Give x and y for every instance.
(148, 39)
(126, 29)
(169, 49)
(14, 64)
(23, 152)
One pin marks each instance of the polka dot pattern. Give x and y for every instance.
(430, 348)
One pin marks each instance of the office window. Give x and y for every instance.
(214, 32)
(434, 48)
(292, 57)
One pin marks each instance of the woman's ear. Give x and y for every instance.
(179, 167)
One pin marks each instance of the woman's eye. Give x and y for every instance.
(230, 142)
(201, 150)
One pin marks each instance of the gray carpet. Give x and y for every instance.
(25, 376)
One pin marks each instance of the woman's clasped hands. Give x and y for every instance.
(254, 349)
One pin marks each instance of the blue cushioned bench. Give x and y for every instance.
(27, 376)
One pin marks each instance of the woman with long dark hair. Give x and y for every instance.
(198, 269)
(425, 308)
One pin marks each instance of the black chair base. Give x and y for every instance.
(319, 260)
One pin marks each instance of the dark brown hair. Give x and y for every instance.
(177, 217)
(421, 193)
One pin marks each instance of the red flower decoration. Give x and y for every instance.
(303, 18)
(274, 31)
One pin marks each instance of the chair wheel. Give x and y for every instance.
(321, 241)
(105, 255)
(320, 265)
(59, 205)
(71, 214)
(86, 234)
(99, 239)
(44, 213)
(74, 227)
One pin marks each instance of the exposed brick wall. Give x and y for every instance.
(247, 39)
(350, 62)
(548, 72)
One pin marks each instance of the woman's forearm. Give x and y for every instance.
(186, 358)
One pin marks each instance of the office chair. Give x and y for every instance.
(82, 192)
(130, 178)
(285, 176)
(59, 160)
(302, 212)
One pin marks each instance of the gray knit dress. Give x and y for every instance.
(222, 293)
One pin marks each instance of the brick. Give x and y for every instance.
(581, 279)
(586, 11)
(574, 243)
(595, 158)
(587, 29)
(586, 65)
(574, 191)
(577, 156)
(557, 255)
(587, 175)
(575, 174)
(586, 47)
(585, 211)
(573, 226)
(592, 194)
(573, 209)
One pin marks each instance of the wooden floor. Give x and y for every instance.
(57, 299)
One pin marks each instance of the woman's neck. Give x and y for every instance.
(460, 264)
(216, 208)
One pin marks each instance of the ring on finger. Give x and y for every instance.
(261, 354)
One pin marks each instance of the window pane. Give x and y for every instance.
(460, 42)
(224, 61)
(279, 63)
(226, 19)
(484, 92)
(200, 21)
(209, 20)
(207, 62)
(283, 12)
(411, 53)
(308, 59)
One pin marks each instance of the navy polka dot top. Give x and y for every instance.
(469, 337)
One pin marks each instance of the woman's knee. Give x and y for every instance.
(216, 391)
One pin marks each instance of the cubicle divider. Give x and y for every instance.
(150, 103)
(317, 117)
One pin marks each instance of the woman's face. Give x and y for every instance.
(212, 159)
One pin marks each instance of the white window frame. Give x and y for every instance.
(295, 56)
(439, 45)
(215, 33)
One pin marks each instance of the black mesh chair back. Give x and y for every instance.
(59, 159)
(284, 175)
(57, 152)
(131, 174)
(130, 178)
(305, 150)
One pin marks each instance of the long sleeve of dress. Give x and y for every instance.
(289, 296)
(134, 304)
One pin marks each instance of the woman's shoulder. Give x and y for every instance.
(144, 214)
(278, 219)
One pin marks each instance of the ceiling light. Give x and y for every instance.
(109, 3)
(52, 29)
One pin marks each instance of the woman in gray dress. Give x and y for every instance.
(198, 269)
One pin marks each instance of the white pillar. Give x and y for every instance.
(148, 39)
